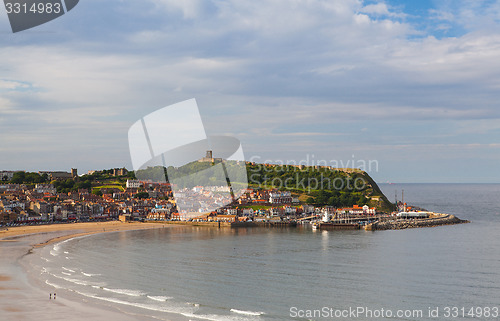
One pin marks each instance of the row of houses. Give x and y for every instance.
(23, 203)
(265, 197)
(295, 211)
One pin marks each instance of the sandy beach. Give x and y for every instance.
(23, 297)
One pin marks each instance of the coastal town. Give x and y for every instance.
(143, 200)
(115, 194)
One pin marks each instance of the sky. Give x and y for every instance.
(411, 87)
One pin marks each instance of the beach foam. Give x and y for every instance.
(152, 307)
(53, 285)
(247, 312)
(125, 291)
(160, 298)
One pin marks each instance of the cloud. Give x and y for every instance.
(12, 85)
(466, 15)
(277, 73)
(381, 9)
(190, 9)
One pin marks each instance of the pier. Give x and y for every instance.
(435, 219)
(338, 226)
(265, 224)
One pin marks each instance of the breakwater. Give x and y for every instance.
(339, 226)
(399, 224)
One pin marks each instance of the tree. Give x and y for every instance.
(18, 178)
(361, 200)
(141, 195)
(333, 201)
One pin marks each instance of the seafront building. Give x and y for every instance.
(20, 203)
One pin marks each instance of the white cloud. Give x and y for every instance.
(275, 72)
(12, 85)
(190, 9)
(381, 9)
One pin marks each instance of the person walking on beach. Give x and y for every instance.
(50, 296)
(54, 296)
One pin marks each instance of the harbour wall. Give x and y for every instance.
(436, 219)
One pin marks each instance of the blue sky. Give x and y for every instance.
(414, 85)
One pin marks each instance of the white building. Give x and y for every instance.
(231, 211)
(408, 215)
(280, 197)
(45, 188)
(247, 211)
(7, 175)
(369, 210)
(133, 183)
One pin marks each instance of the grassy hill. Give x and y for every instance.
(314, 185)
(320, 185)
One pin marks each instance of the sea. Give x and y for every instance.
(199, 273)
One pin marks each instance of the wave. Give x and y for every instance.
(53, 285)
(76, 281)
(69, 270)
(160, 298)
(125, 291)
(173, 307)
(218, 317)
(176, 310)
(57, 246)
(65, 273)
(89, 274)
(247, 312)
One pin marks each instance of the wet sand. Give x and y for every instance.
(24, 297)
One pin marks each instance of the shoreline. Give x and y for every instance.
(23, 294)
(12, 234)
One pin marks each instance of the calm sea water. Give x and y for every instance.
(281, 274)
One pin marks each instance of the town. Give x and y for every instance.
(58, 196)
